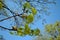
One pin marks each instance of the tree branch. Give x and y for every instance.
(11, 17)
(7, 28)
(13, 13)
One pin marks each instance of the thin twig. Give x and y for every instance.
(15, 18)
(7, 28)
(11, 17)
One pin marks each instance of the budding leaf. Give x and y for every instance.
(27, 5)
(34, 11)
(30, 18)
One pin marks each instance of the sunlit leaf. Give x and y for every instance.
(20, 31)
(37, 32)
(27, 5)
(54, 30)
(57, 23)
(30, 18)
(48, 28)
(27, 29)
(34, 11)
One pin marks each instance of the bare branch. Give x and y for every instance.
(11, 17)
(7, 28)
(13, 13)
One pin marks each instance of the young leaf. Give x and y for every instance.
(27, 5)
(37, 31)
(20, 32)
(48, 27)
(57, 23)
(27, 29)
(30, 18)
(34, 11)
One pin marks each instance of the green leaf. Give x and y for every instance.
(49, 28)
(1, 5)
(20, 31)
(27, 5)
(32, 32)
(58, 29)
(34, 11)
(27, 29)
(58, 37)
(37, 32)
(30, 18)
(57, 23)
(1, 0)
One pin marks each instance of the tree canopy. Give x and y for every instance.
(26, 13)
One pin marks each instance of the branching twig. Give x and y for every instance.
(12, 13)
(11, 17)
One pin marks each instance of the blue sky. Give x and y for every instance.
(55, 16)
